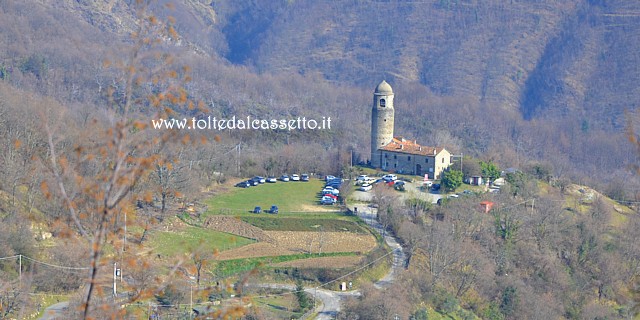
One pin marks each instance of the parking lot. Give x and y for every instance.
(412, 190)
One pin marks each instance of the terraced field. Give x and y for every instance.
(301, 235)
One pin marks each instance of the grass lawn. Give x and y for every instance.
(228, 268)
(170, 243)
(294, 196)
(303, 224)
(279, 306)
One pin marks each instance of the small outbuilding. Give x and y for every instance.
(486, 206)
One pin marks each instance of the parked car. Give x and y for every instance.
(361, 179)
(273, 209)
(243, 184)
(390, 177)
(328, 201)
(329, 195)
(399, 185)
(334, 186)
(365, 187)
(370, 180)
(335, 183)
(304, 177)
(271, 179)
(253, 182)
(259, 179)
(295, 177)
(435, 187)
(331, 190)
(428, 184)
(329, 178)
(257, 210)
(284, 178)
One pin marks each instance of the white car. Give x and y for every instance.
(365, 187)
(370, 180)
(390, 177)
(295, 177)
(361, 179)
(331, 190)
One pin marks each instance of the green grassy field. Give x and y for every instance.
(279, 306)
(176, 243)
(303, 224)
(294, 196)
(231, 267)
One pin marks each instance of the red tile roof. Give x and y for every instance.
(402, 145)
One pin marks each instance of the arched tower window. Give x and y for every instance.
(383, 103)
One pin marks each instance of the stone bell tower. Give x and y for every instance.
(381, 121)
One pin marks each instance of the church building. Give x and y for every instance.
(397, 154)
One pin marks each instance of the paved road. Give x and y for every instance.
(55, 311)
(369, 215)
(331, 300)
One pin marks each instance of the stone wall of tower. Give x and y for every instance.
(381, 124)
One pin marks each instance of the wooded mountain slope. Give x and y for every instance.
(545, 58)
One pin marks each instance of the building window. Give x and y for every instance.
(426, 160)
(408, 158)
(395, 156)
(386, 156)
(383, 103)
(395, 165)
(442, 160)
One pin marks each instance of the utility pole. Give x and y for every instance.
(115, 276)
(124, 247)
(351, 157)
(20, 269)
(238, 159)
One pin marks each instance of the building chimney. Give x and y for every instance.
(434, 151)
(401, 146)
(419, 148)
